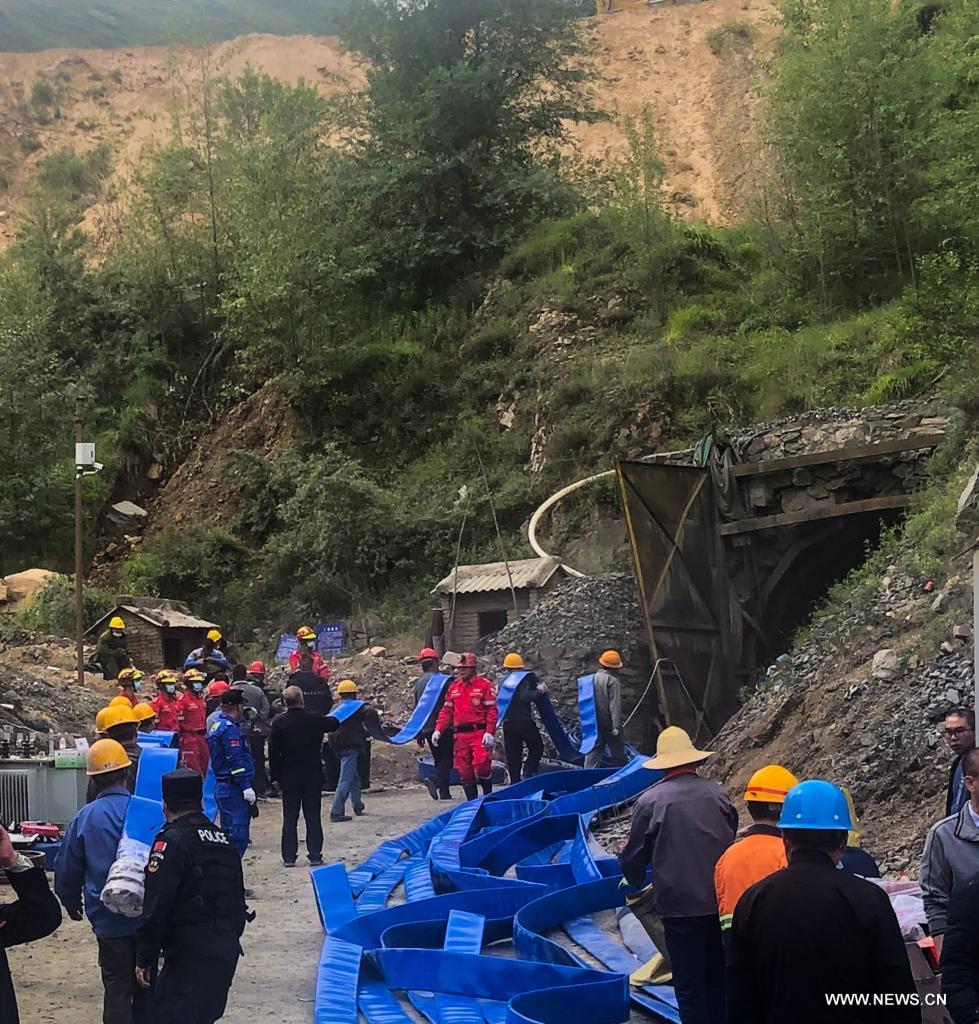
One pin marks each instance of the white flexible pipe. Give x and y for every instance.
(563, 493)
(551, 501)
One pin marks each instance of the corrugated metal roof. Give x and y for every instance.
(169, 618)
(526, 573)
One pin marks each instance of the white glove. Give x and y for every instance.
(249, 795)
(436, 736)
(542, 687)
(488, 742)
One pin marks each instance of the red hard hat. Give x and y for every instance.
(427, 654)
(468, 660)
(257, 667)
(216, 689)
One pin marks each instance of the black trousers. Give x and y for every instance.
(193, 989)
(123, 1001)
(442, 756)
(256, 745)
(516, 735)
(307, 797)
(697, 959)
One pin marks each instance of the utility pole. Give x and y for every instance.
(79, 606)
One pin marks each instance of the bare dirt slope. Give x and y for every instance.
(705, 105)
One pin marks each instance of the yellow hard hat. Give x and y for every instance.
(142, 711)
(194, 675)
(305, 633)
(116, 623)
(673, 748)
(119, 715)
(769, 785)
(166, 675)
(120, 702)
(100, 718)
(214, 635)
(129, 673)
(106, 756)
(513, 660)
(610, 659)
(348, 686)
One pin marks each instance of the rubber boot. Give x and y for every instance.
(470, 790)
(487, 786)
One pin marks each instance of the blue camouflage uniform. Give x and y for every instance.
(234, 771)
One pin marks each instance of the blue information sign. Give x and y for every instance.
(331, 637)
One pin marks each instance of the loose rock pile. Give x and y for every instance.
(822, 713)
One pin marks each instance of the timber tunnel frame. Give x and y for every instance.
(687, 543)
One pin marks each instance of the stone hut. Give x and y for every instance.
(161, 632)
(477, 600)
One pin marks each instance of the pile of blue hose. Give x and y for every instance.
(484, 914)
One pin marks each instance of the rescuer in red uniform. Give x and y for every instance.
(165, 703)
(192, 721)
(470, 708)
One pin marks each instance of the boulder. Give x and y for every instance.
(886, 664)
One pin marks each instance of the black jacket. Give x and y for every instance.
(950, 788)
(353, 733)
(195, 894)
(521, 706)
(960, 953)
(295, 747)
(34, 914)
(317, 697)
(810, 931)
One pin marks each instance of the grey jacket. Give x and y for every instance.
(680, 827)
(255, 698)
(608, 701)
(951, 856)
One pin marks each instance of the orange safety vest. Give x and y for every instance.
(757, 855)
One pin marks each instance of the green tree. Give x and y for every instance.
(852, 99)
(456, 142)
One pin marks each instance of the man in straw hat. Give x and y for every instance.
(680, 828)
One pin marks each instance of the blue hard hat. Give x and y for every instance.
(815, 804)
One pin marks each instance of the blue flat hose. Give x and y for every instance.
(412, 729)
(144, 815)
(438, 950)
(567, 750)
(157, 738)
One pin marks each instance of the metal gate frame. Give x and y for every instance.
(684, 591)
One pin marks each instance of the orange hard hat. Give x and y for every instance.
(216, 689)
(257, 668)
(427, 654)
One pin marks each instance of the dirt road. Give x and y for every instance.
(57, 978)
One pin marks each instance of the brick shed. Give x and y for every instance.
(477, 600)
(161, 632)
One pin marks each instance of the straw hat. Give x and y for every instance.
(673, 748)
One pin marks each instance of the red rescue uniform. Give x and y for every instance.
(192, 720)
(166, 708)
(470, 709)
(320, 667)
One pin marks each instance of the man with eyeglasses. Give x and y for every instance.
(959, 730)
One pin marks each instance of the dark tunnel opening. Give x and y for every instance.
(808, 560)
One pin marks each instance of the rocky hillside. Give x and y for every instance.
(696, 65)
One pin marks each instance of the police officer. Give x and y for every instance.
(193, 910)
(233, 768)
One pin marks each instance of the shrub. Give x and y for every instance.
(53, 607)
(732, 37)
(74, 175)
(29, 143)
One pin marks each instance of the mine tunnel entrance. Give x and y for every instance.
(813, 559)
(732, 557)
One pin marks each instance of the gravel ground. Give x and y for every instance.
(57, 979)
